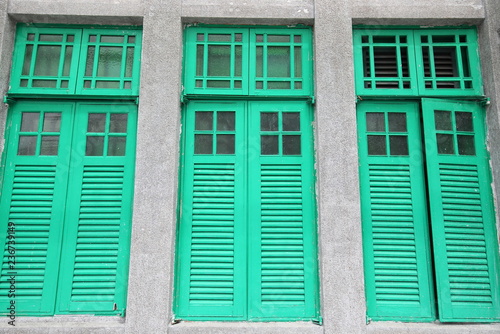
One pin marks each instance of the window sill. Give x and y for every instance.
(433, 327)
(244, 327)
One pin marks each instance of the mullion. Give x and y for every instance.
(106, 135)
(399, 61)
(372, 62)
(387, 135)
(62, 57)
(460, 69)
(124, 60)
(95, 62)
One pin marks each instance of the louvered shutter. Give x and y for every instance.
(462, 216)
(282, 235)
(94, 263)
(212, 231)
(395, 227)
(32, 201)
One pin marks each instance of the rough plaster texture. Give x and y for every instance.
(150, 297)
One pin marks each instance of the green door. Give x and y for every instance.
(67, 189)
(247, 237)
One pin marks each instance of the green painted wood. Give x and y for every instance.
(33, 200)
(283, 272)
(463, 220)
(396, 246)
(96, 241)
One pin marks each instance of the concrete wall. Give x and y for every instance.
(149, 308)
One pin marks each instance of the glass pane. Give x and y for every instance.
(129, 62)
(259, 62)
(52, 122)
(297, 61)
(97, 123)
(199, 59)
(465, 61)
(95, 146)
(297, 39)
(278, 85)
(116, 146)
(375, 122)
(47, 60)
(67, 60)
(118, 123)
(384, 39)
(112, 39)
(291, 145)
(200, 37)
(203, 144)
(291, 121)
(27, 60)
(442, 119)
(107, 84)
(397, 122)
(269, 121)
(269, 145)
(225, 121)
(376, 145)
(89, 64)
(466, 145)
(225, 144)
(64, 84)
(30, 121)
(237, 61)
(219, 37)
(31, 37)
(445, 144)
(259, 38)
(49, 145)
(44, 83)
(278, 38)
(131, 39)
(278, 61)
(110, 61)
(24, 83)
(464, 121)
(219, 60)
(92, 38)
(50, 38)
(204, 120)
(238, 37)
(27, 145)
(218, 83)
(398, 145)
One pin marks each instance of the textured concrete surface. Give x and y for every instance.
(149, 308)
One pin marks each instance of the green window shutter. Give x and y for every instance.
(211, 276)
(462, 215)
(283, 281)
(395, 231)
(96, 242)
(33, 197)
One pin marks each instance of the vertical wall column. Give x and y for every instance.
(155, 199)
(7, 28)
(343, 299)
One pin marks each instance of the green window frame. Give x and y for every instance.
(417, 62)
(248, 61)
(71, 61)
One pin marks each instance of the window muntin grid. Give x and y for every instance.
(387, 133)
(39, 133)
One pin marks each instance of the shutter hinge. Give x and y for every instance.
(318, 321)
(485, 101)
(7, 100)
(115, 307)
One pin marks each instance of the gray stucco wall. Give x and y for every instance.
(149, 308)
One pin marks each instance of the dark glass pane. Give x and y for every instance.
(95, 146)
(112, 39)
(259, 85)
(269, 121)
(97, 123)
(199, 59)
(87, 84)
(27, 60)
(384, 39)
(269, 145)
(465, 61)
(238, 37)
(259, 65)
(278, 85)
(52, 122)
(129, 62)
(24, 83)
(64, 84)
(237, 61)
(219, 60)
(92, 38)
(259, 38)
(50, 145)
(297, 61)
(118, 123)
(44, 83)
(297, 39)
(116, 146)
(70, 38)
(219, 37)
(426, 61)
(376, 145)
(397, 122)
(291, 145)
(443, 39)
(203, 144)
(442, 119)
(398, 145)
(225, 121)
(27, 145)
(375, 122)
(50, 38)
(278, 61)
(47, 60)
(204, 120)
(67, 60)
(466, 145)
(445, 144)
(218, 83)
(200, 37)
(89, 64)
(110, 61)
(30, 121)
(291, 121)
(131, 39)
(31, 37)
(127, 85)
(107, 84)
(464, 121)
(278, 38)
(225, 144)
(298, 85)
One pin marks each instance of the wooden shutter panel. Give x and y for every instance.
(282, 223)
(94, 264)
(33, 194)
(212, 232)
(395, 232)
(462, 216)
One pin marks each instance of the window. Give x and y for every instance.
(246, 247)
(68, 178)
(429, 239)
